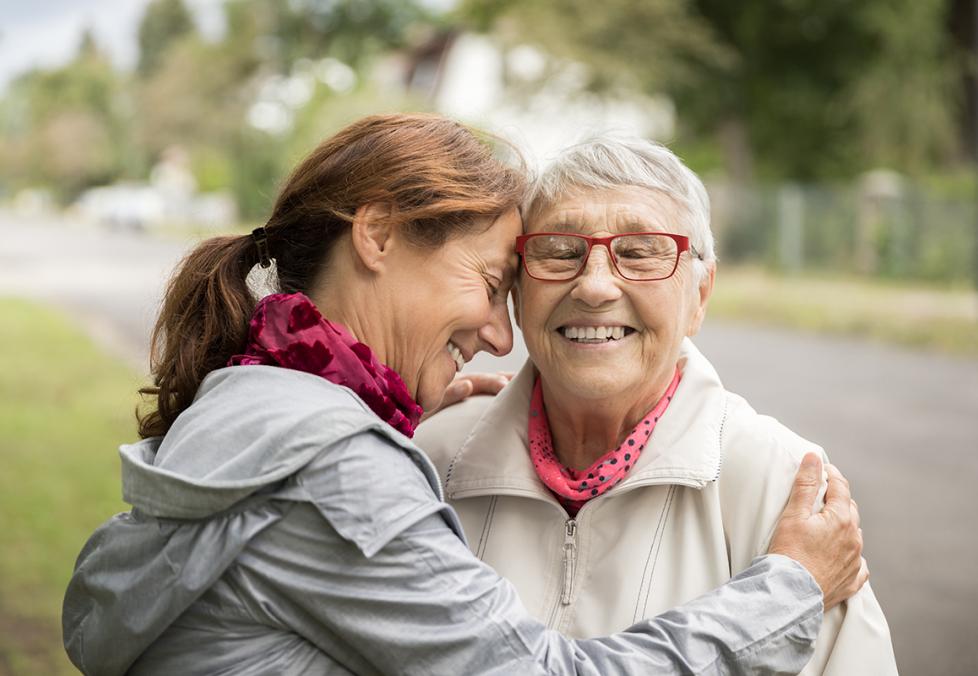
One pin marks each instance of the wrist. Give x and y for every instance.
(805, 582)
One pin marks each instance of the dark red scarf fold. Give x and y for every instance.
(287, 330)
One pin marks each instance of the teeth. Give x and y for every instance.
(456, 355)
(594, 333)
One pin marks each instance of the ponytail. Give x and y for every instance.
(202, 324)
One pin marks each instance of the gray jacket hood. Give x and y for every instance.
(199, 495)
(248, 429)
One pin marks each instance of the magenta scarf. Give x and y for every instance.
(574, 487)
(287, 330)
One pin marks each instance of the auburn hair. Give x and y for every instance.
(439, 178)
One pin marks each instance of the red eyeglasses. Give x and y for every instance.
(636, 256)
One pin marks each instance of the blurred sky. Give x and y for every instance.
(46, 33)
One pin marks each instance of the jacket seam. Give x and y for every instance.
(486, 528)
(646, 589)
(723, 427)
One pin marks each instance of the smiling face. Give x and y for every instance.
(450, 304)
(600, 336)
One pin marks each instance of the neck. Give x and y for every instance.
(585, 429)
(343, 304)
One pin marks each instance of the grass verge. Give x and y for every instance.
(919, 316)
(64, 408)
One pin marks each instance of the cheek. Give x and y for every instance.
(539, 304)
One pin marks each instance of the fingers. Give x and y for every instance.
(805, 489)
(485, 383)
(458, 390)
(837, 495)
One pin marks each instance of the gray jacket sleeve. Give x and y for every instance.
(418, 602)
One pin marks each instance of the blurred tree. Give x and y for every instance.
(164, 23)
(196, 96)
(269, 39)
(66, 127)
(796, 88)
(353, 31)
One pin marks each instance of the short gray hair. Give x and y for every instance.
(611, 161)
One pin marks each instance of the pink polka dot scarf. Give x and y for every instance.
(574, 487)
(288, 330)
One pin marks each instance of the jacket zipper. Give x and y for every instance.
(570, 560)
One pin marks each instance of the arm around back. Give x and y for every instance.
(411, 598)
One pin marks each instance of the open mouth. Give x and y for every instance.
(595, 334)
(456, 355)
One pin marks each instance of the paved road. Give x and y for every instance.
(110, 282)
(903, 425)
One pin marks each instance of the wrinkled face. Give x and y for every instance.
(452, 304)
(643, 323)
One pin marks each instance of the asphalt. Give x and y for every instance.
(901, 424)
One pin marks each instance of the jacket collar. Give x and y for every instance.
(684, 448)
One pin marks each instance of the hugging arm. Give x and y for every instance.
(424, 605)
(417, 601)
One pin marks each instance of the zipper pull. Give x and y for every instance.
(570, 560)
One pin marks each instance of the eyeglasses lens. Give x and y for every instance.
(554, 256)
(645, 256)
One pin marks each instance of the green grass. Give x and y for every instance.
(895, 312)
(64, 409)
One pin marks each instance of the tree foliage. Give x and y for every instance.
(797, 88)
(65, 127)
(803, 89)
(165, 23)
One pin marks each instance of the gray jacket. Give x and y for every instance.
(280, 527)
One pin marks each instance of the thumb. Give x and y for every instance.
(805, 489)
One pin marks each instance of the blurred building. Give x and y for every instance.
(524, 94)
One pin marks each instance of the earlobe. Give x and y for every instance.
(371, 234)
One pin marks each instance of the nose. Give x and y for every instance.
(598, 283)
(496, 335)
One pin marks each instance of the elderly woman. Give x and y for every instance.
(615, 477)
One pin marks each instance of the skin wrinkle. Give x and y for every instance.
(595, 397)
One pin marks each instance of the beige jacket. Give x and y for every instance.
(699, 505)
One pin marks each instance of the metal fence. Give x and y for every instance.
(881, 226)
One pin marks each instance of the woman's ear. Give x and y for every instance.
(372, 234)
(704, 291)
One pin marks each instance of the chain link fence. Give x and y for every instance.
(881, 226)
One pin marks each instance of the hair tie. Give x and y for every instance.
(260, 235)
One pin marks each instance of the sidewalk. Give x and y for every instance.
(900, 313)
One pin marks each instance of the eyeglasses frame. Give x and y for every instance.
(682, 244)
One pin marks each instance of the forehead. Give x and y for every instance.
(623, 209)
(493, 244)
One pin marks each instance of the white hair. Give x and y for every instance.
(609, 161)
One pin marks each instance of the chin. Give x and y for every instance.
(431, 393)
(594, 383)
